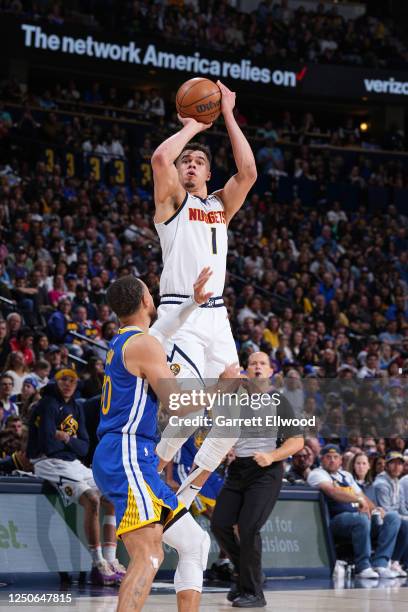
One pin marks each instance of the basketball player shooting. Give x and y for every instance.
(192, 227)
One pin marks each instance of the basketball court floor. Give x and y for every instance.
(282, 595)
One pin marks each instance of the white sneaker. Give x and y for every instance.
(396, 567)
(118, 568)
(368, 572)
(385, 572)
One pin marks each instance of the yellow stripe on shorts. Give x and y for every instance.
(131, 518)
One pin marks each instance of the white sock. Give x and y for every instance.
(96, 554)
(109, 552)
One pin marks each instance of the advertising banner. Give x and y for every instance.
(73, 49)
(38, 534)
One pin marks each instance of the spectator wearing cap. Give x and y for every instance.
(389, 497)
(346, 371)
(6, 391)
(29, 394)
(54, 357)
(350, 515)
(58, 440)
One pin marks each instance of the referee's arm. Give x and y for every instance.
(288, 448)
(291, 434)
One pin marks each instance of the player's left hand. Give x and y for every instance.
(227, 99)
(263, 459)
(200, 295)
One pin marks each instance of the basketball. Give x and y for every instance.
(199, 99)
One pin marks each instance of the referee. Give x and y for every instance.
(252, 487)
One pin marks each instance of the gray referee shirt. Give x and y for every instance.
(265, 438)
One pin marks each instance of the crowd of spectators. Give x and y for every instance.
(273, 32)
(323, 291)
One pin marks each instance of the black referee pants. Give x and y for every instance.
(246, 499)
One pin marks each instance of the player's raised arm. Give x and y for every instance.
(168, 191)
(236, 189)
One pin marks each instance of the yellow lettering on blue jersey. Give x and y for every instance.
(109, 357)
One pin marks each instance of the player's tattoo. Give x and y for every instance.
(137, 591)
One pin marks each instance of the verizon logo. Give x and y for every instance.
(390, 86)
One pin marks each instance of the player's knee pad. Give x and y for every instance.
(213, 451)
(192, 545)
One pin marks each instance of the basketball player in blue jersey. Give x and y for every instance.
(192, 227)
(125, 463)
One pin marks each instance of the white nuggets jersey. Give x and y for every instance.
(193, 238)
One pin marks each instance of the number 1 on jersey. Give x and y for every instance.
(214, 240)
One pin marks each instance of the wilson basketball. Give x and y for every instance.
(199, 99)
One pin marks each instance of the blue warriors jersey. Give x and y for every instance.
(125, 463)
(128, 404)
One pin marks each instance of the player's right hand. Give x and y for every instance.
(200, 296)
(199, 127)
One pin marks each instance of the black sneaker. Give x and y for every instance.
(222, 572)
(249, 601)
(233, 593)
